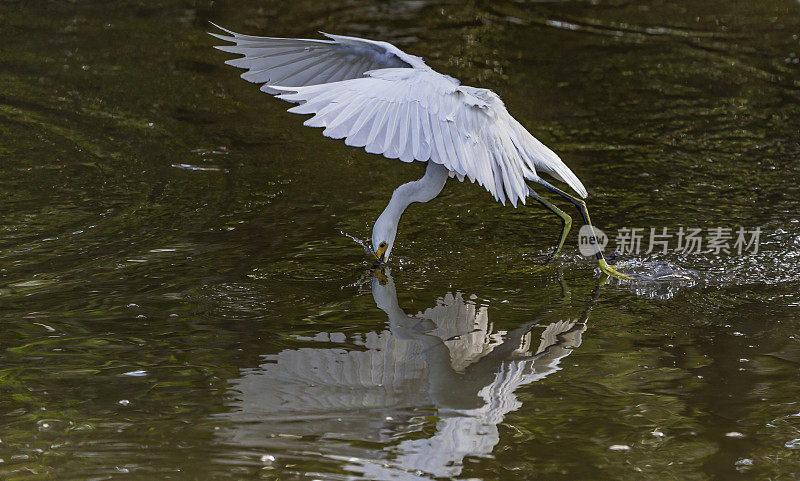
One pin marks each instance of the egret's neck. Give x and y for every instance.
(422, 190)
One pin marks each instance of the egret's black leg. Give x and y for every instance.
(581, 205)
(566, 221)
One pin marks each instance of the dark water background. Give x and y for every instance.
(180, 301)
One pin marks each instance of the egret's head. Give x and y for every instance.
(382, 239)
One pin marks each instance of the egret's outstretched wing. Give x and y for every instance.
(295, 62)
(418, 114)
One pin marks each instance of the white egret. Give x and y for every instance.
(376, 96)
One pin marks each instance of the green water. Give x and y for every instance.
(181, 297)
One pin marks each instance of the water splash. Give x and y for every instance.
(358, 241)
(662, 277)
(658, 279)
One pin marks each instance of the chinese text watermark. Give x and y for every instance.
(683, 240)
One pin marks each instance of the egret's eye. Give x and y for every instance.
(382, 244)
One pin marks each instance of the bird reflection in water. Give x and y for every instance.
(447, 362)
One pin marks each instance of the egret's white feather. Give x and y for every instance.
(380, 98)
(264, 53)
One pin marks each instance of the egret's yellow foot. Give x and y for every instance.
(565, 227)
(611, 272)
